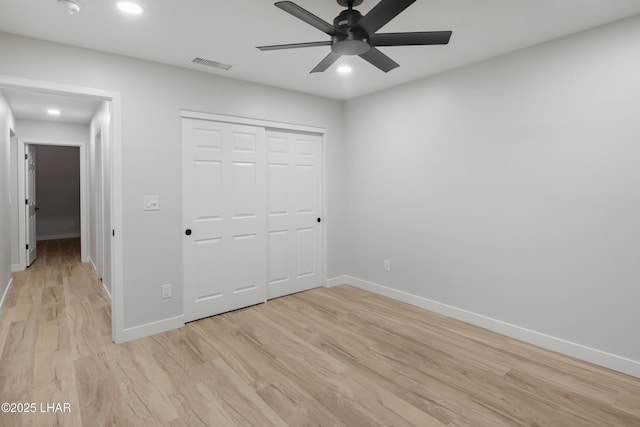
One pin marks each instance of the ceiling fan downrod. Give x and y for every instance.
(349, 3)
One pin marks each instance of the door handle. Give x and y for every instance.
(37, 208)
(187, 232)
(319, 220)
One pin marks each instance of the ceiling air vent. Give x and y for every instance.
(210, 63)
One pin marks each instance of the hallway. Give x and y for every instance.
(55, 314)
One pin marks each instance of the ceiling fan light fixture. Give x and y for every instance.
(344, 69)
(129, 7)
(53, 112)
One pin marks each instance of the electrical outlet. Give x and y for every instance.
(166, 291)
(387, 265)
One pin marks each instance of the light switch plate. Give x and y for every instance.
(166, 291)
(151, 203)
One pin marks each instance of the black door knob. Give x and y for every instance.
(318, 220)
(187, 232)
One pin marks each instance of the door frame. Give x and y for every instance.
(98, 174)
(22, 211)
(115, 167)
(267, 124)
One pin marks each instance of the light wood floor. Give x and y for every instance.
(326, 357)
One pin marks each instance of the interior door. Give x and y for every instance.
(30, 185)
(293, 212)
(224, 217)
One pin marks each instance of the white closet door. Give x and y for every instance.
(293, 212)
(224, 217)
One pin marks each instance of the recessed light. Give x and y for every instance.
(53, 112)
(129, 7)
(72, 6)
(344, 69)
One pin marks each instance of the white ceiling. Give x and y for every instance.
(227, 31)
(29, 105)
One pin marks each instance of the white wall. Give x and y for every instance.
(152, 95)
(57, 191)
(101, 123)
(51, 131)
(6, 125)
(511, 189)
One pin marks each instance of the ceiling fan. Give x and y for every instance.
(354, 34)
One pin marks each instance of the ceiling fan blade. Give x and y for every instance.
(294, 45)
(382, 13)
(326, 62)
(379, 59)
(306, 16)
(410, 39)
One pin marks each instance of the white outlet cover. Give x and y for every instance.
(151, 203)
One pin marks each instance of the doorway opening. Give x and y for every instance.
(54, 195)
(96, 178)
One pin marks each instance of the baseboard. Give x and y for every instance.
(335, 281)
(58, 236)
(16, 267)
(93, 264)
(105, 291)
(136, 332)
(4, 295)
(588, 354)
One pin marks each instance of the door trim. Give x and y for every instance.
(117, 216)
(22, 194)
(98, 182)
(188, 114)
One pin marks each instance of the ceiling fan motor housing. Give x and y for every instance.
(349, 40)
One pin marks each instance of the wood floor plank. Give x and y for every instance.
(198, 407)
(581, 374)
(100, 400)
(332, 398)
(252, 363)
(569, 401)
(628, 403)
(144, 394)
(295, 405)
(324, 357)
(235, 398)
(389, 408)
(18, 353)
(325, 334)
